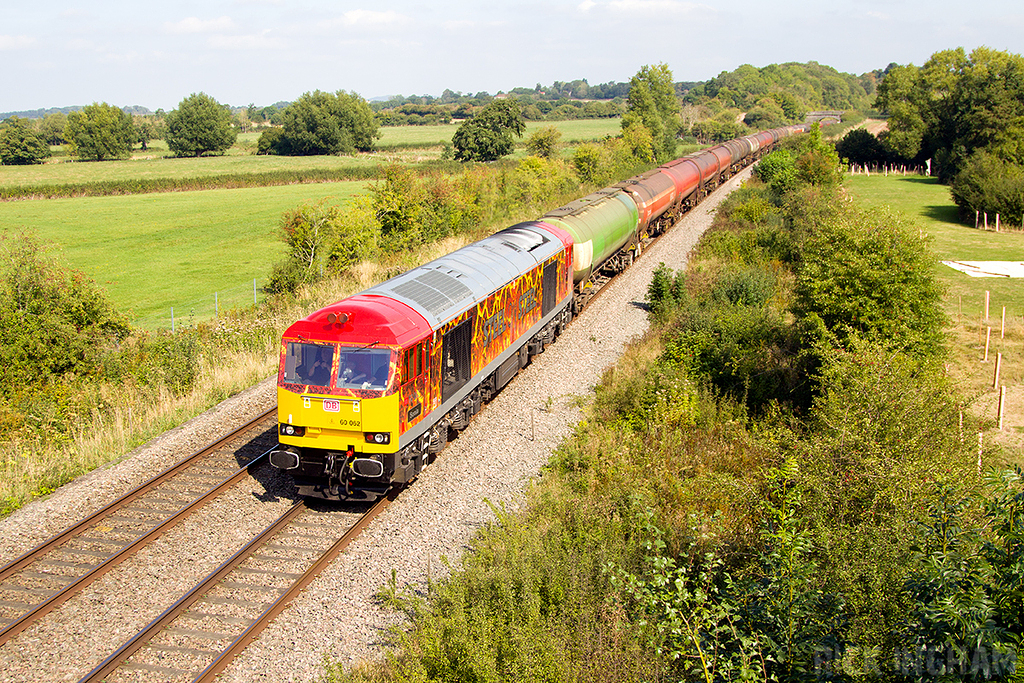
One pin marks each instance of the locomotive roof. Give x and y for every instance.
(442, 289)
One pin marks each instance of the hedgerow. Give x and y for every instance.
(147, 185)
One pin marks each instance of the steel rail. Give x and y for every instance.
(54, 543)
(221, 662)
(183, 604)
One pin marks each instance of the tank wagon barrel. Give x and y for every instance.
(369, 388)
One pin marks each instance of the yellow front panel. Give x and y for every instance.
(337, 422)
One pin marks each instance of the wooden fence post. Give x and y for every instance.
(1002, 406)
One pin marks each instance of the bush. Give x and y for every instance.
(323, 239)
(870, 273)
(269, 141)
(989, 184)
(53, 320)
(544, 142)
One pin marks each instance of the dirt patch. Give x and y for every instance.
(873, 126)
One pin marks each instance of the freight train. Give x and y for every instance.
(370, 388)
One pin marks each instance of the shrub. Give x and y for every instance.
(870, 273)
(989, 184)
(323, 238)
(269, 141)
(53, 320)
(544, 142)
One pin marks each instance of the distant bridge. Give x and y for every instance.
(824, 116)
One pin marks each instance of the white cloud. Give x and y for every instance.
(196, 25)
(16, 42)
(652, 7)
(257, 41)
(366, 18)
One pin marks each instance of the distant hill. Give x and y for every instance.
(809, 86)
(134, 110)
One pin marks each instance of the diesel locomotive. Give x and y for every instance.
(370, 387)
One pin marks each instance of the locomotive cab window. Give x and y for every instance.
(308, 364)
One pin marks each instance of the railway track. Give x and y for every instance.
(198, 636)
(42, 579)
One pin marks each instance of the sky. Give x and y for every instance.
(57, 53)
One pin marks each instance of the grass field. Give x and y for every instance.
(154, 251)
(407, 144)
(929, 203)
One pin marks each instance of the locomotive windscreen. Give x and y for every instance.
(312, 364)
(308, 364)
(363, 369)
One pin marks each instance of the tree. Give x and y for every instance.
(199, 125)
(146, 129)
(989, 183)
(52, 128)
(871, 274)
(19, 144)
(954, 105)
(652, 103)
(326, 123)
(860, 147)
(488, 135)
(99, 132)
(544, 142)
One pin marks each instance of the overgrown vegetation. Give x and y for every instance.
(785, 493)
(109, 188)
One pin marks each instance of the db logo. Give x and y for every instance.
(331, 406)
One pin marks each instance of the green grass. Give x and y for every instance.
(156, 162)
(154, 251)
(929, 202)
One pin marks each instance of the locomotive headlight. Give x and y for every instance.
(292, 430)
(378, 437)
